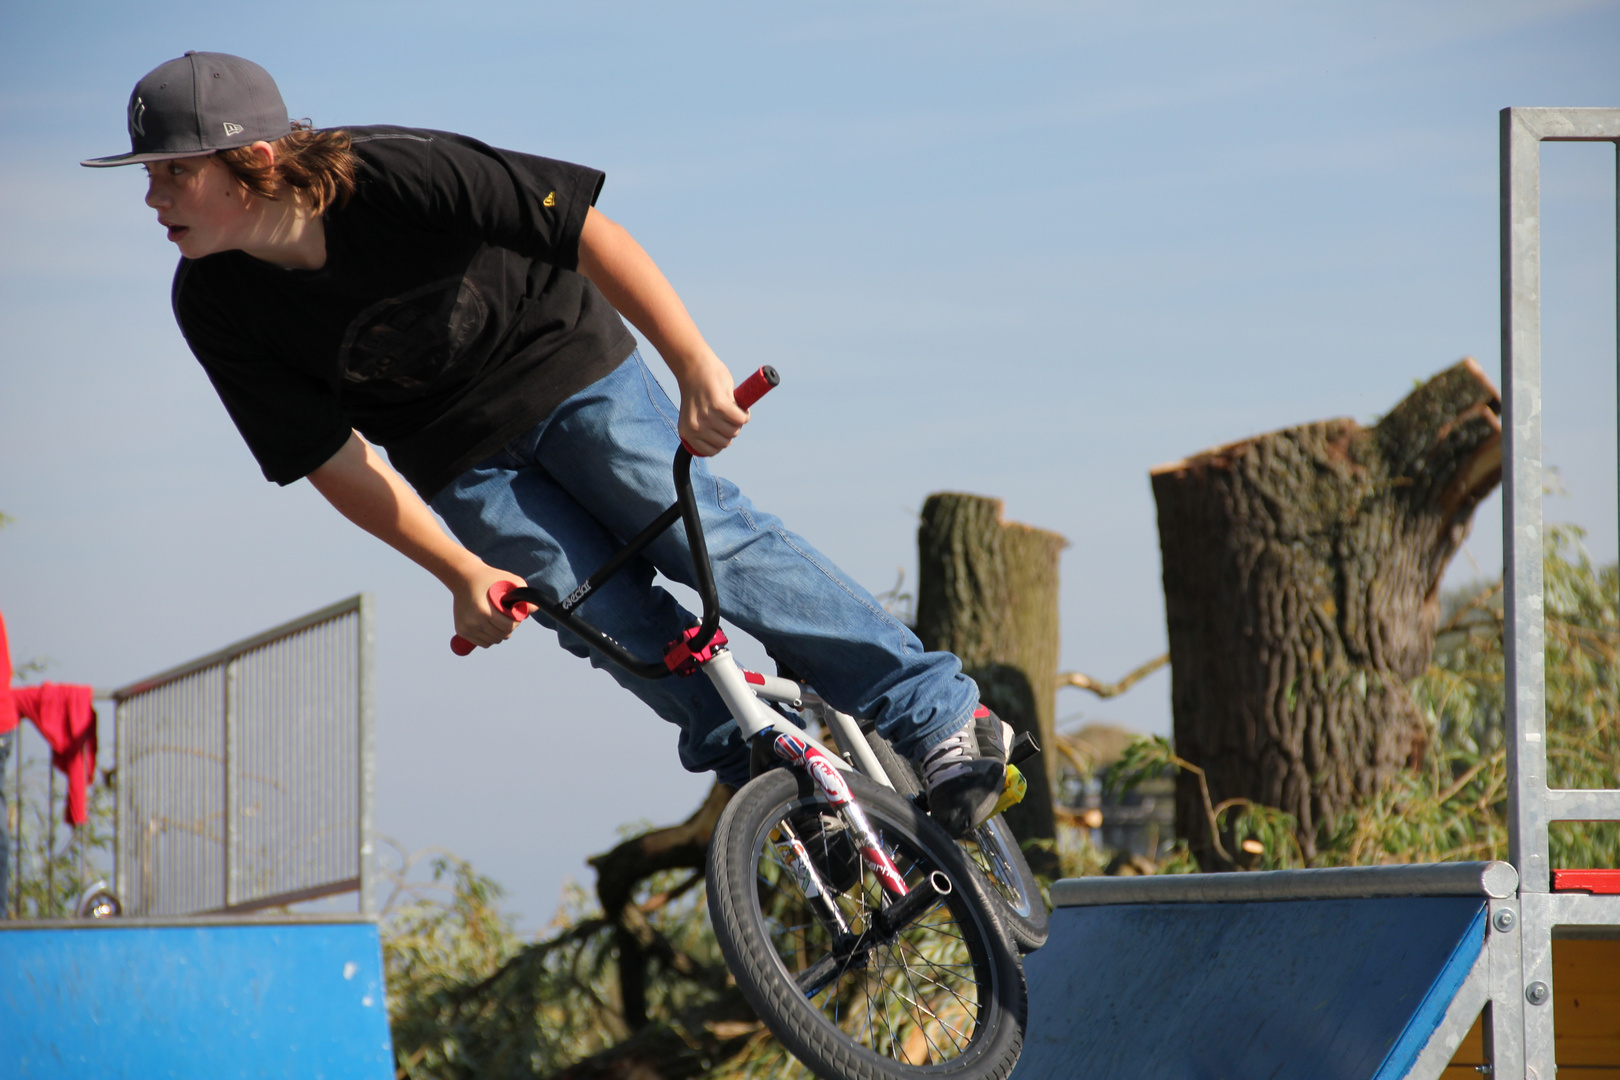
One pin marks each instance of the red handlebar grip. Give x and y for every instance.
(497, 599)
(757, 386)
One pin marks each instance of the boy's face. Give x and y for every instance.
(202, 205)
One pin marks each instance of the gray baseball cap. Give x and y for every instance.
(197, 104)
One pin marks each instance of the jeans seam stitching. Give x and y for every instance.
(882, 615)
(648, 380)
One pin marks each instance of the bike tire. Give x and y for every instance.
(944, 997)
(994, 852)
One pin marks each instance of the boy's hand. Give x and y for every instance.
(476, 618)
(710, 417)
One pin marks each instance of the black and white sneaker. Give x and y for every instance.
(965, 774)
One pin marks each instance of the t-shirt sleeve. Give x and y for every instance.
(443, 182)
(290, 420)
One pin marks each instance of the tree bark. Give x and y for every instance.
(987, 591)
(1301, 578)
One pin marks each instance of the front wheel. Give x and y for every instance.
(943, 995)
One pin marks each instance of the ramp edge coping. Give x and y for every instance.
(1494, 880)
(168, 922)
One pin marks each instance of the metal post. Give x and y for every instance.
(21, 824)
(120, 778)
(1504, 1017)
(48, 909)
(16, 865)
(1524, 649)
(231, 792)
(1522, 1029)
(366, 629)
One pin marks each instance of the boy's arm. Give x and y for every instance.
(365, 490)
(634, 285)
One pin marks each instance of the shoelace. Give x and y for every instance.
(951, 758)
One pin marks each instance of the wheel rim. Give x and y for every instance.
(919, 999)
(991, 852)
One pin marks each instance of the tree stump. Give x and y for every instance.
(1301, 580)
(987, 591)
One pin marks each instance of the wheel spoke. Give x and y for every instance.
(917, 997)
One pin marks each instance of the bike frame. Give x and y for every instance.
(702, 648)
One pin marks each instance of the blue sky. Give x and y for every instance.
(1028, 250)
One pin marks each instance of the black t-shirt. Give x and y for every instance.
(448, 319)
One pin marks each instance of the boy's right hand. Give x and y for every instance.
(710, 416)
(476, 619)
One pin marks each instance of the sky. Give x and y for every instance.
(1022, 249)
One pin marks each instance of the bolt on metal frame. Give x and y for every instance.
(1520, 1028)
(246, 778)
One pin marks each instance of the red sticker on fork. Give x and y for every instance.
(881, 865)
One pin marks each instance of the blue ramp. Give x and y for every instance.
(144, 1000)
(1185, 986)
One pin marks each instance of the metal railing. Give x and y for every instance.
(246, 777)
(1520, 1022)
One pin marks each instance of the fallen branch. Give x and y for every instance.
(1114, 689)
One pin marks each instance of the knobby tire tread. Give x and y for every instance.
(777, 1001)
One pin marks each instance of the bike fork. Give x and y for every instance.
(801, 749)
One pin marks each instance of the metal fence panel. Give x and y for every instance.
(244, 777)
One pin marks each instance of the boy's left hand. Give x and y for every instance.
(710, 416)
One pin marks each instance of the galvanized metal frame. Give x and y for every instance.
(227, 663)
(1521, 1028)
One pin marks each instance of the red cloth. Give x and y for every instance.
(63, 714)
(8, 708)
(65, 717)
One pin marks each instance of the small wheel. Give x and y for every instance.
(942, 996)
(993, 850)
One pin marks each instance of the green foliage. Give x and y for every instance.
(468, 999)
(1263, 835)
(1455, 807)
(53, 863)
(447, 946)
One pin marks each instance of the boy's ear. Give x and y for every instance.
(264, 150)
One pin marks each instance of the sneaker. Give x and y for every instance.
(966, 773)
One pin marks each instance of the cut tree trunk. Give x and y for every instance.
(1301, 580)
(987, 590)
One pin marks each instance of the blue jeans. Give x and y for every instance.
(553, 505)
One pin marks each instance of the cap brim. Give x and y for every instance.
(141, 159)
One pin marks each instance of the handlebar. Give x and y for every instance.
(756, 386)
(501, 594)
(497, 596)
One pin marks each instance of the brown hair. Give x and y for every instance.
(318, 163)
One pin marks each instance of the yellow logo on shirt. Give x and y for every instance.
(550, 199)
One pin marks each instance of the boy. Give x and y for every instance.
(460, 306)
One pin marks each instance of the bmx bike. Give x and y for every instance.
(868, 941)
